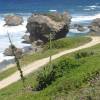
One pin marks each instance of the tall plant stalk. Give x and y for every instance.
(50, 46)
(16, 61)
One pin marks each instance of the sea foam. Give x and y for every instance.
(16, 34)
(85, 18)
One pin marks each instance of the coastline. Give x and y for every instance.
(18, 34)
(6, 64)
(7, 67)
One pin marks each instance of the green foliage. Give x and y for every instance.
(63, 79)
(45, 78)
(83, 54)
(57, 70)
(69, 42)
(29, 58)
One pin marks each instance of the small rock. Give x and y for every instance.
(27, 49)
(26, 39)
(18, 52)
(39, 43)
(13, 20)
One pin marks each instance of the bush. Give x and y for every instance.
(57, 70)
(45, 78)
(83, 54)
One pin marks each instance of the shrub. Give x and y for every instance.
(83, 54)
(45, 78)
(57, 70)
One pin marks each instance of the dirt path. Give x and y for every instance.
(39, 63)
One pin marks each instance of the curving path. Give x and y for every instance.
(39, 63)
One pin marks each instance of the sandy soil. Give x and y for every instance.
(39, 63)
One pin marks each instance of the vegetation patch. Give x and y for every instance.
(83, 54)
(68, 43)
(66, 79)
(57, 46)
(51, 73)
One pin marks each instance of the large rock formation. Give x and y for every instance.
(95, 25)
(41, 25)
(13, 20)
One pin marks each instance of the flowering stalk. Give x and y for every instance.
(16, 60)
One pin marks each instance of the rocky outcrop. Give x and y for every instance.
(39, 43)
(78, 27)
(41, 25)
(18, 52)
(13, 20)
(26, 39)
(95, 25)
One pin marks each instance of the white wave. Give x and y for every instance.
(76, 31)
(87, 9)
(53, 10)
(85, 18)
(16, 33)
(92, 7)
(2, 57)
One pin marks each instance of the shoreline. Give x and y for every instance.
(40, 63)
(7, 67)
(6, 64)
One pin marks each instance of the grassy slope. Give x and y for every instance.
(59, 45)
(61, 87)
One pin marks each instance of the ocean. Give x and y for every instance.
(82, 11)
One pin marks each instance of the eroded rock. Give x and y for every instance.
(13, 20)
(41, 25)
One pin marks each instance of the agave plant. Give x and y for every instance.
(16, 60)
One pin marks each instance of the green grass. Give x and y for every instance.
(68, 43)
(7, 72)
(58, 46)
(61, 88)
